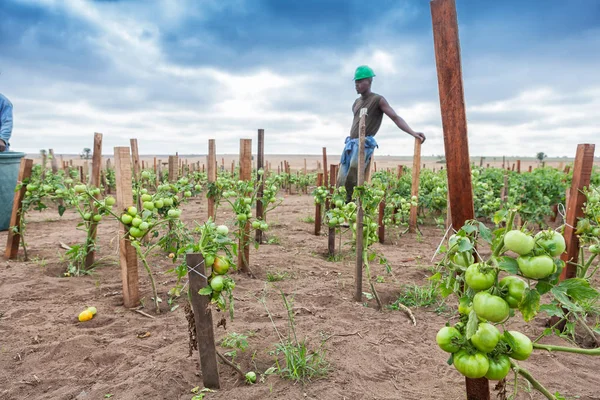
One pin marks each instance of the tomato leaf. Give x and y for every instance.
(553, 310)
(464, 245)
(530, 304)
(472, 324)
(579, 289)
(543, 287)
(508, 338)
(468, 229)
(560, 294)
(61, 209)
(205, 291)
(485, 233)
(509, 265)
(450, 360)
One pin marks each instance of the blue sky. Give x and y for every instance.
(175, 73)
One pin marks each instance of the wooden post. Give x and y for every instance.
(582, 171)
(159, 173)
(518, 166)
(13, 240)
(127, 254)
(414, 188)
(375, 166)
(95, 182)
(212, 175)
(325, 176)
(260, 164)
(53, 162)
(331, 234)
(400, 171)
(530, 168)
(318, 213)
(503, 161)
(205, 335)
(481, 162)
(135, 156)
(305, 170)
(245, 171)
(173, 168)
(360, 180)
(81, 174)
(454, 121)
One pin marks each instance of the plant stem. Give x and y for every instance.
(537, 385)
(147, 267)
(509, 224)
(589, 352)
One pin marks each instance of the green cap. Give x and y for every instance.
(363, 72)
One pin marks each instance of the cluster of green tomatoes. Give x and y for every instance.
(485, 351)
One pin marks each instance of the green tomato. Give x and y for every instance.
(146, 197)
(242, 217)
(220, 265)
(332, 222)
(222, 230)
(168, 202)
(523, 346)
(136, 232)
(145, 174)
(32, 187)
(197, 188)
(132, 211)
(471, 365)
(264, 226)
(173, 213)
(144, 226)
(538, 267)
(499, 367)
(551, 241)
(136, 222)
(187, 193)
(339, 203)
(97, 218)
(87, 216)
(459, 258)
(68, 181)
(144, 191)
(465, 306)
(217, 283)
(209, 260)
(126, 219)
(446, 338)
(110, 201)
(519, 242)
(148, 205)
(490, 307)
(515, 288)
(486, 337)
(255, 224)
(159, 204)
(80, 188)
(478, 279)
(251, 377)
(594, 249)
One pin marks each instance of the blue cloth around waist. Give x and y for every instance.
(350, 153)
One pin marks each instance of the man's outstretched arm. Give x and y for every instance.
(401, 123)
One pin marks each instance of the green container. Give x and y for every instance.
(9, 172)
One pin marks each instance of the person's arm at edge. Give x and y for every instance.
(389, 111)
(7, 125)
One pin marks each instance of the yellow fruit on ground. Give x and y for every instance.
(85, 316)
(92, 310)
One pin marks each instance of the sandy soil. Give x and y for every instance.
(45, 353)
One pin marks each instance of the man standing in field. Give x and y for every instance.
(6, 123)
(376, 106)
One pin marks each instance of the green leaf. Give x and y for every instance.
(530, 304)
(509, 265)
(450, 360)
(561, 296)
(543, 287)
(553, 310)
(579, 289)
(61, 209)
(205, 291)
(485, 233)
(472, 324)
(464, 245)
(508, 338)
(468, 229)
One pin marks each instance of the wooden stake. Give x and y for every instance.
(414, 189)
(331, 234)
(135, 156)
(53, 162)
(205, 335)
(318, 213)
(518, 166)
(211, 161)
(95, 181)
(127, 254)
(325, 176)
(454, 121)
(245, 175)
(173, 168)
(260, 164)
(530, 168)
(360, 180)
(13, 240)
(582, 171)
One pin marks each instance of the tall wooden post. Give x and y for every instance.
(53, 161)
(173, 168)
(212, 174)
(245, 175)
(318, 207)
(13, 240)
(205, 335)
(260, 165)
(127, 254)
(135, 157)
(325, 176)
(582, 171)
(518, 166)
(95, 182)
(454, 121)
(414, 189)
(331, 235)
(360, 180)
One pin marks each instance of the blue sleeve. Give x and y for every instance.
(6, 123)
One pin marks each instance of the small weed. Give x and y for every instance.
(41, 262)
(277, 276)
(335, 257)
(420, 296)
(380, 279)
(274, 240)
(235, 341)
(308, 219)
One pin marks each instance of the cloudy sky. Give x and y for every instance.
(174, 73)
